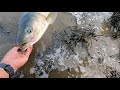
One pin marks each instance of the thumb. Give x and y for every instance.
(29, 50)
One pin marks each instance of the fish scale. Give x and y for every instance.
(32, 25)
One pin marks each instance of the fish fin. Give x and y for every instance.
(52, 17)
(45, 14)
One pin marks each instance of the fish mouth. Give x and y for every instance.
(24, 45)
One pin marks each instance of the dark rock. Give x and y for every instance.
(100, 60)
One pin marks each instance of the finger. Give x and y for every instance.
(14, 49)
(29, 50)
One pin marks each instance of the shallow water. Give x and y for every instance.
(8, 31)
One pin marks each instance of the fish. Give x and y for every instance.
(32, 26)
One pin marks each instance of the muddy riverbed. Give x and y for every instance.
(77, 45)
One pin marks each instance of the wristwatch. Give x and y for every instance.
(8, 69)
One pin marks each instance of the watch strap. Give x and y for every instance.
(8, 69)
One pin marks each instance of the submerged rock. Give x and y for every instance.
(114, 21)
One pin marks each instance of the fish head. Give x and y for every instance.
(31, 28)
(25, 38)
(27, 34)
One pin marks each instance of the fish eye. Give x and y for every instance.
(29, 30)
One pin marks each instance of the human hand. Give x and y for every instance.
(15, 58)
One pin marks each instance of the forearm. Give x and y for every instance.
(3, 73)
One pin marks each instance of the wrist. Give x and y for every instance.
(12, 65)
(3, 73)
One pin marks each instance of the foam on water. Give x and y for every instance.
(68, 51)
(91, 19)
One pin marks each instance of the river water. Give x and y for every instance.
(77, 45)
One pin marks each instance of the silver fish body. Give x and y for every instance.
(32, 26)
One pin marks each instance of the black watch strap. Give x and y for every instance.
(8, 69)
